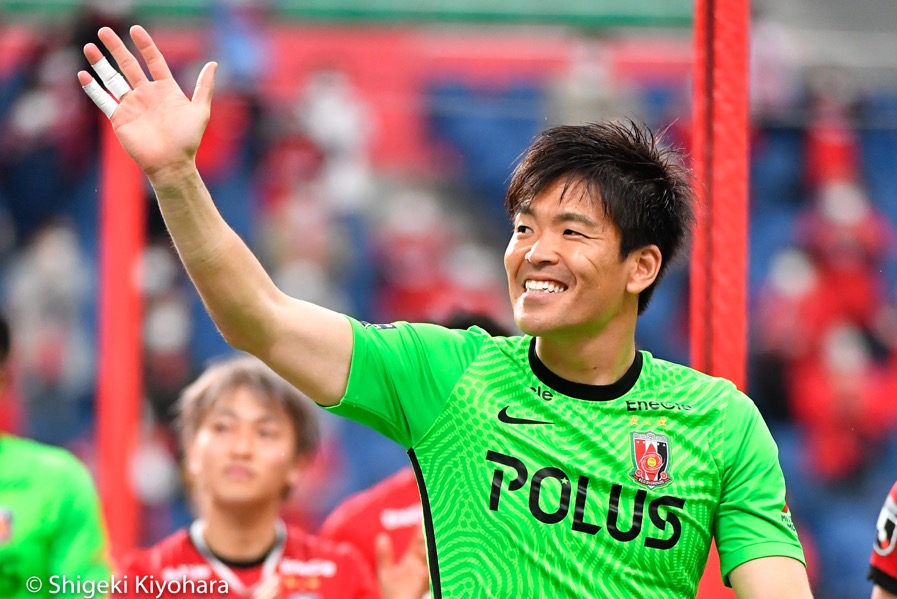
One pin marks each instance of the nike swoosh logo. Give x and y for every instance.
(508, 419)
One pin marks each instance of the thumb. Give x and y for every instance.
(384, 551)
(205, 84)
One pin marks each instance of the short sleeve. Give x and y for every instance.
(402, 374)
(753, 520)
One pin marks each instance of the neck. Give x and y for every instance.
(240, 536)
(600, 359)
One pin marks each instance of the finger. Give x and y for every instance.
(205, 84)
(418, 545)
(383, 551)
(111, 78)
(154, 59)
(92, 53)
(416, 555)
(126, 61)
(100, 97)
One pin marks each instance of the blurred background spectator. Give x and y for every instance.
(365, 161)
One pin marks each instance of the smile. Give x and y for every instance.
(544, 286)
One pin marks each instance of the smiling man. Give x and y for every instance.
(561, 463)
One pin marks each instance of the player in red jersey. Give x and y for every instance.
(391, 508)
(246, 435)
(883, 564)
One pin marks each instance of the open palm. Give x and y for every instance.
(155, 122)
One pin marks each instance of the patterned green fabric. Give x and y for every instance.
(50, 523)
(537, 487)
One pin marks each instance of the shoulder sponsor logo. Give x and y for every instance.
(5, 525)
(503, 416)
(886, 535)
(786, 519)
(651, 458)
(379, 327)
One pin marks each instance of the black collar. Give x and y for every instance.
(582, 390)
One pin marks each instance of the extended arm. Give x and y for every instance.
(771, 578)
(161, 129)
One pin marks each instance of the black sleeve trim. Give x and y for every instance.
(885, 581)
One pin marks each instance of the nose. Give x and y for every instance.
(242, 442)
(542, 251)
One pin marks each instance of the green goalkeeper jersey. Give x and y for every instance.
(50, 523)
(535, 486)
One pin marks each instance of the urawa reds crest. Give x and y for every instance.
(651, 458)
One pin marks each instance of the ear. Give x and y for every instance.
(299, 465)
(646, 263)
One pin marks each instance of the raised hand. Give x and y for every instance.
(407, 578)
(154, 121)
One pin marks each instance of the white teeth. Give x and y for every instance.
(544, 286)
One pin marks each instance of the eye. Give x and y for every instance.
(522, 229)
(220, 426)
(267, 433)
(573, 233)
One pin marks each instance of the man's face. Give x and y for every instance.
(243, 453)
(565, 274)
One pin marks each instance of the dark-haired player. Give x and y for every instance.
(562, 463)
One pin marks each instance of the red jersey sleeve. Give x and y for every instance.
(883, 564)
(365, 584)
(392, 506)
(128, 569)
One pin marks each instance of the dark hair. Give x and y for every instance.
(5, 339)
(641, 185)
(198, 398)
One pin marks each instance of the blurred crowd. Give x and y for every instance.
(388, 222)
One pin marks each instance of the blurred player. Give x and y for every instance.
(384, 518)
(559, 463)
(51, 526)
(246, 435)
(883, 564)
